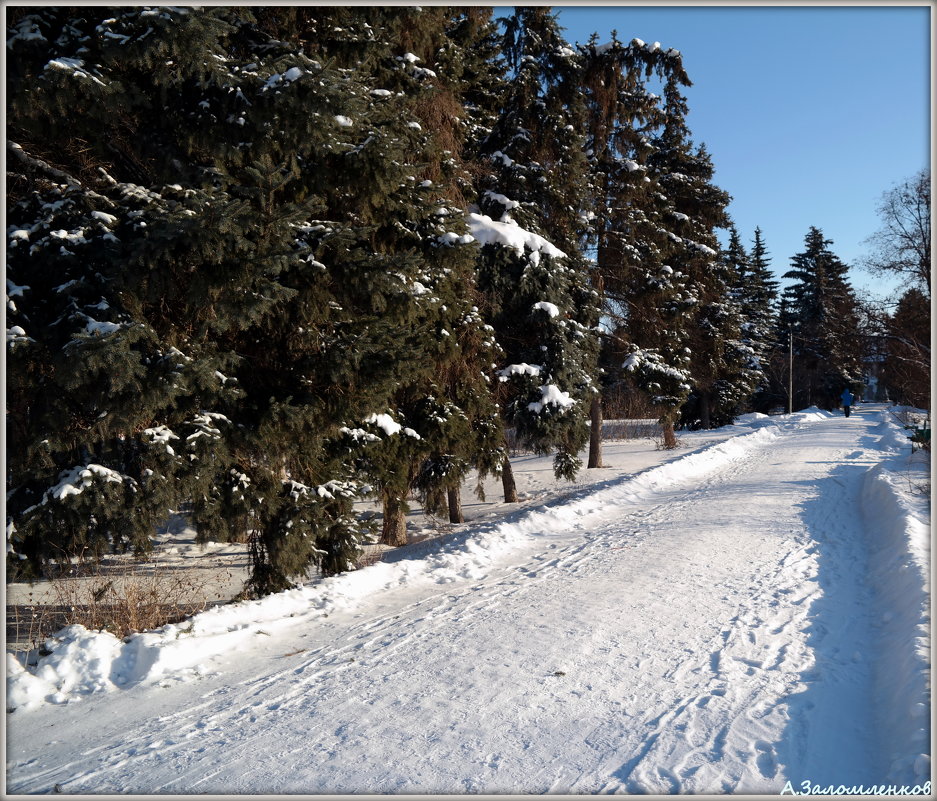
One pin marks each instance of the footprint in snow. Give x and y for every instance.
(765, 760)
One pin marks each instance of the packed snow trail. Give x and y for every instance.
(708, 630)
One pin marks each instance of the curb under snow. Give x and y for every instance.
(83, 662)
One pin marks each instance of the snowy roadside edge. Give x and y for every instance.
(82, 662)
(898, 523)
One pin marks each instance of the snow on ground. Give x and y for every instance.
(751, 613)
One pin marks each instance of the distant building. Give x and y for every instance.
(873, 365)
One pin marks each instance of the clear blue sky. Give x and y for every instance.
(809, 113)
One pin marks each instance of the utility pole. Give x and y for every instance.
(790, 371)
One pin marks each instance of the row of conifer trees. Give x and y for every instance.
(267, 262)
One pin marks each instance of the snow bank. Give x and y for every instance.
(810, 414)
(747, 419)
(81, 662)
(897, 517)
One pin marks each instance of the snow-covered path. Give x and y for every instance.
(706, 629)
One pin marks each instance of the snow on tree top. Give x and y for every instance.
(328, 490)
(292, 74)
(16, 336)
(519, 369)
(550, 308)
(74, 481)
(26, 30)
(702, 248)
(96, 328)
(160, 11)
(390, 426)
(359, 434)
(343, 121)
(451, 239)
(15, 290)
(107, 219)
(74, 237)
(73, 65)
(504, 201)
(161, 435)
(509, 234)
(551, 395)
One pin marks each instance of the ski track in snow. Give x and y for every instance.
(711, 634)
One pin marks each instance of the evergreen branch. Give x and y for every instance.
(38, 164)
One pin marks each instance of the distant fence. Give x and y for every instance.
(625, 428)
(633, 428)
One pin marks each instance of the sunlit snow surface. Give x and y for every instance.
(749, 613)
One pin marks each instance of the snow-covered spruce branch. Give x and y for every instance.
(38, 164)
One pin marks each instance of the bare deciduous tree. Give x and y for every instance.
(902, 245)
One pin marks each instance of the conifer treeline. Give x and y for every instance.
(264, 263)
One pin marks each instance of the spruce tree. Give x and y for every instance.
(447, 405)
(757, 292)
(731, 369)
(531, 271)
(233, 257)
(820, 309)
(646, 297)
(720, 364)
(906, 370)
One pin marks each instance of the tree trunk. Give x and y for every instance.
(394, 528)
(670, 438)
(507, 481)
(595, 436)
(704, 410)
(454, 496)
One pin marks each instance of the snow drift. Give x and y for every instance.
(899, 550)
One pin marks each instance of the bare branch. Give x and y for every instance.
(903, 245)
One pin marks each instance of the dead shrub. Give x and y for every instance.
(140, 599)
(370, 555)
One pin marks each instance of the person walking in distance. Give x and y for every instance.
(847, 400)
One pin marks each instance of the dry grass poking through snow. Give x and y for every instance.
(139, 599)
